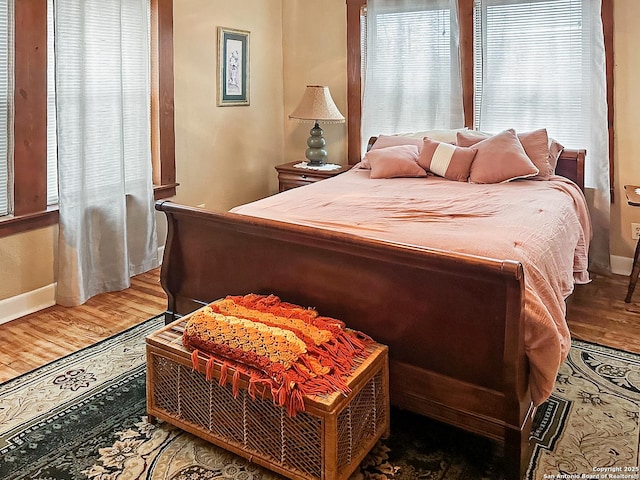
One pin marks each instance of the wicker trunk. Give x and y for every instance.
(327, 441)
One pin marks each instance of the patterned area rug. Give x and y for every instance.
(84, 417)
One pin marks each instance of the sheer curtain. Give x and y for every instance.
(542, 64)
(412, 76)
(107, 222)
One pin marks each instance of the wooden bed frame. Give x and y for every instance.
(453, 322)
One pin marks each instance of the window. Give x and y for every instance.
(30, 174)
(4, 105)
(488, 66)
(412, 68)
(103, 98)
(519, 46)
(52, 157)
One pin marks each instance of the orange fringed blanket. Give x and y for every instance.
(291, 350)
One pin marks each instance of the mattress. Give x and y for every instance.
(544, 224)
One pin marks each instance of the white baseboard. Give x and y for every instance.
(621, 265)
(26, 303)
(29, 302)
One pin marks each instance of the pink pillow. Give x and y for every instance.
(501, 158)
(555, 150)
(398, 161)
(470, 137)
(385, 141)
(535, 144)
(446, 160)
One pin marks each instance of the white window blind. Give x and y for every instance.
(103, 82)
(541, 64)
(5, 102)
(412, 72)
(52, 144)
(530, 59)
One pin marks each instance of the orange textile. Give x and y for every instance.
(291, 350)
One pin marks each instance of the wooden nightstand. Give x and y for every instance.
(292, 177)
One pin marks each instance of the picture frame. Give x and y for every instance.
(233, 67)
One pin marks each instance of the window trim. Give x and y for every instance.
(30, 108)
(354, 80)
(465, 20)
(162, 101)
(30, 114)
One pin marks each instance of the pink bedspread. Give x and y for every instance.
(543, 224)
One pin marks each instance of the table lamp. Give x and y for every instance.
(317, 106)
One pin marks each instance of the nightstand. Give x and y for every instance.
(290, 176)
(632, 193)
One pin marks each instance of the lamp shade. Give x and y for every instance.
(317, 105)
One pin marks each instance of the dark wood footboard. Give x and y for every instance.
(453, 322)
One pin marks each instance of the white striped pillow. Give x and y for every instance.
(446, 160)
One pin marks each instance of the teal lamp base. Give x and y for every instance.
(316, 154)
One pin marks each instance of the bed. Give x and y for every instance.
(455, 322)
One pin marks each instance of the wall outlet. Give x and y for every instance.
(635, 231)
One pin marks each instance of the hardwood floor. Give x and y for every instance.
(41, 337)
(596, 313)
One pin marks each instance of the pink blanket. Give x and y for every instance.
(544, 225)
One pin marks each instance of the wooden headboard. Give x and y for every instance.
(571, 165)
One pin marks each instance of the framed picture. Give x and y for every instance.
(233, 67)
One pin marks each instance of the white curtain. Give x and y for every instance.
(107, 222)
(542, 64)
(412, 76)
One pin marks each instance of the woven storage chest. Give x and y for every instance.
(327, 441)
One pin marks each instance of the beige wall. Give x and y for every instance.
(26, 262)
(225, 155)
(627, 133)
(315, 53)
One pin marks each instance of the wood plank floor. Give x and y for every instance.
(596, 313)
(41, 337)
